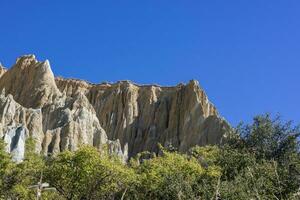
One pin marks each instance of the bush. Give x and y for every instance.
(260, 161)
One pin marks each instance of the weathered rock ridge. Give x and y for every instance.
(63, 113)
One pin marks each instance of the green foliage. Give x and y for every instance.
(264, 160)
(88, 174)
(26, 173)
(207, 184)
(5, 167)
(170, 176)
(259, 161)
(207, 155)
(256, 181)
(16, 177)
(269, 138)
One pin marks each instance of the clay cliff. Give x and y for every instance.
(128, 118)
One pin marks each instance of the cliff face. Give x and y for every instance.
(124, 116)
(2, 70)
(30, 82)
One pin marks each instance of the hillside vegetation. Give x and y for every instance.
(260, 161)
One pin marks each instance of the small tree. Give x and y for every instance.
(171, 176)
(6, 165)
(265, 159)
(88, 174)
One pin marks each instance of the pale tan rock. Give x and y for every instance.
(2, 70)
(59, 122)
(15, 138)
(143, 116)
(115, 148)
(71, 125)
(125, 116)
(13, 114)
(30, 82)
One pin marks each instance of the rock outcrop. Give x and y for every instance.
(142, 116)
(2, 70)
(14, 116)
(128, 118)
(15, 138)
(30, 82)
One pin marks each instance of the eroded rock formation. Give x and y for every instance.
(63, 113)
(2, 70)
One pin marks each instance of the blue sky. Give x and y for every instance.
(245, 54)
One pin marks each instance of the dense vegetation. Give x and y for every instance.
(258, 161)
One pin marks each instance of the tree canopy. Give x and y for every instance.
(260, 160)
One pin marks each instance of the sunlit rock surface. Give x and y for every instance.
(13, 115)
(144, 115)
(128, 118)
(15, 138)
(2, 70)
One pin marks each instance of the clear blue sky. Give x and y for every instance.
(245, 53)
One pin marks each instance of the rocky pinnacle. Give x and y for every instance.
(128, 118)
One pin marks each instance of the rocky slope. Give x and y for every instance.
(128, 118)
